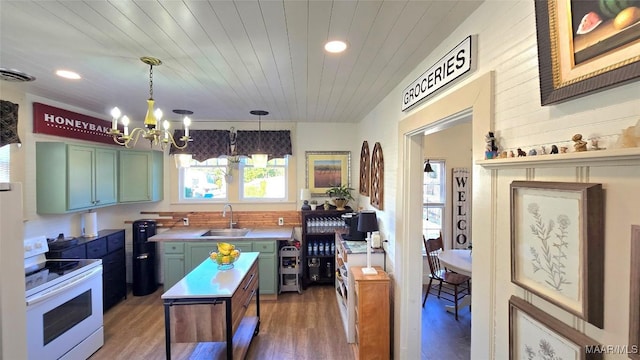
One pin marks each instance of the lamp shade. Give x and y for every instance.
(428, 168)
(367, 221)
(305, 194)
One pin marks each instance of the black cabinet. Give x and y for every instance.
(318, 245)
(108, 246)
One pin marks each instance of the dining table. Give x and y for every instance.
(458, 260)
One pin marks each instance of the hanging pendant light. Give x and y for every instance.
(427, 167)
(260, 157)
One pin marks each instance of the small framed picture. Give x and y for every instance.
(534, 334)
(326, 169)
(557, 244)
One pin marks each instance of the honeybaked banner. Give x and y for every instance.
(59, 122)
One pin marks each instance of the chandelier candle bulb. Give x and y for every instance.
(115, 114)
(125, 122)
(187, 123)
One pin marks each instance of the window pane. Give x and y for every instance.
(433, 185)
(264, 183)
(204, 180)
(432, 221)
(4, 163)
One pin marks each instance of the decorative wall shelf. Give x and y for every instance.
(591, 158)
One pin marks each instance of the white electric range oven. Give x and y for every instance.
(64, 304)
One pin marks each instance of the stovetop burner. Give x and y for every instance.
(55, 271)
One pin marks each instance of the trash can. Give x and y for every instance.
(144, 258)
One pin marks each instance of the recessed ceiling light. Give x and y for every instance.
(335, 46)
(68, 74)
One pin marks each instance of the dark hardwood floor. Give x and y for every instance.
(297, 326)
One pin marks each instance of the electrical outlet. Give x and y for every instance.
(185, 221)
(280, 221)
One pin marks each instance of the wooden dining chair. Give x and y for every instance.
(456, 286)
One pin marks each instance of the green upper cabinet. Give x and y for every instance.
(74, 177)
(140, 176)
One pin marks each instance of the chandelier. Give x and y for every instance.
(260, 157)
(150, 131)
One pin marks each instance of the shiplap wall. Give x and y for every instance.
(507, 47)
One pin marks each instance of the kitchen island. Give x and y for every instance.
(186, 248)
(209, 305)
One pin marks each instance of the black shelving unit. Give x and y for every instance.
(318, 245)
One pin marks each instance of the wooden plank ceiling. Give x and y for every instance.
(224, 58)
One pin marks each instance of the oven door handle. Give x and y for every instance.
(64, 286)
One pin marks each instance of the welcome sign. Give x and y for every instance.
(59, 122)
(456, 63)
(461, 208)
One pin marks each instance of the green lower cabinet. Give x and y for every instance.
(267, 269)
(182, 257)
(173, 269)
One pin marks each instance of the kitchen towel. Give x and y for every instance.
(90, 221)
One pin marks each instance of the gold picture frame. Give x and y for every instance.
(573, 65)
(326, 169)
(557, 244)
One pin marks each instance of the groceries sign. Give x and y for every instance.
(59, 122)
(456, 63)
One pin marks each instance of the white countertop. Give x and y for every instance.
(206, 281)
(195, 234)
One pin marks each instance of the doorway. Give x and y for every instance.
(476, 97)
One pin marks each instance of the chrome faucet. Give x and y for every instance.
(224, 214)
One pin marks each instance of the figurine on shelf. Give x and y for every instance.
(595, 146)
(521, 153)
(533, 152)
(554, 149)
(491, 149)
(563, 149)
(502, 155)
(511, 154)
(579, 144)
(543, 151)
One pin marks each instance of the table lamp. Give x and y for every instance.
(367, 222)
(305, 195)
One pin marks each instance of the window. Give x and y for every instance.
(434, 198)
(268, 183)
(5, 157)
(207, 181)
(204, 180)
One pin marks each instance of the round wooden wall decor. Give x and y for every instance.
(377, 177)
(365, 169)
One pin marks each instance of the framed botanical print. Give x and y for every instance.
(534, 334)
(557, 244)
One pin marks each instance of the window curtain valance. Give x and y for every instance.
(276, 143)
(209, 144)
(8, 123)
(206, 144)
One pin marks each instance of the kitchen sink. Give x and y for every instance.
(226, 232)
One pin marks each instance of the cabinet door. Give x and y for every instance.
(196, 253)
(80, 177)
(173, 269)
(267, 267)
(135, 176)
(106, 192)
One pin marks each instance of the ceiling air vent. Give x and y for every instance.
(15, 75)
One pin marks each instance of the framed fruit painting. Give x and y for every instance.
(586, 46)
